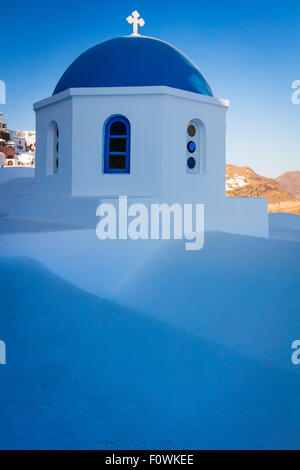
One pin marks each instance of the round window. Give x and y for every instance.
(191, 163)
(191, 146)
(191, 130)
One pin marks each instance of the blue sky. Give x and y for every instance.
(248, 52)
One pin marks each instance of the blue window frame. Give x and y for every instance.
(117, 145)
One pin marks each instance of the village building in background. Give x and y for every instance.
(17, 147)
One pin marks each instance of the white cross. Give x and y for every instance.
(136, 21)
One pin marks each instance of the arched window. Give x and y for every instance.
(117, 145)
(53, 149)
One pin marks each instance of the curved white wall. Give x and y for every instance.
(9, 173)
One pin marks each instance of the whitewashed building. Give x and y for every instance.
(3, 122)
(23, 139)
(155, 133)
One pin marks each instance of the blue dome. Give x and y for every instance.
(133, 61)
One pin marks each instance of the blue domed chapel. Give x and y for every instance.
(134, 116)
(134, 61)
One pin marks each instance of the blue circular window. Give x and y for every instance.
(191, 163)
(191, 146)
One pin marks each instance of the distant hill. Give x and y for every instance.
(291, 182)
(244, 182)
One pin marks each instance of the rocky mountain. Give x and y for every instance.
(291, 182)
(244, 182)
